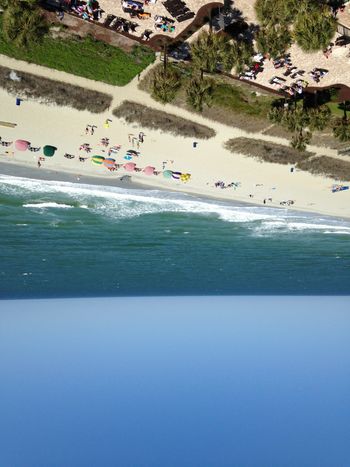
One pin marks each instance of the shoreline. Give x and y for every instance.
(16, 170)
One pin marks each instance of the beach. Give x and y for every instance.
(208, 161)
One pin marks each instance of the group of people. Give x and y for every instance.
(222, 185)
(164, 24)
(89, 10)
(318, 73)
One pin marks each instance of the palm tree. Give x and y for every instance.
(165, 84)
(236, 54)
(207, 51)
(275, 12)
(296, 119)
(273, 40)
(199, 93)
(314, 26)
(300, 140)
(23, 22)
(276, 114)
(341, 129)
(319, 117)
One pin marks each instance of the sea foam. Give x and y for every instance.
(119, 203)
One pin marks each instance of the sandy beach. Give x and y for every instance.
(208, 162)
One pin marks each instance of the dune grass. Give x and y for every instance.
(49, 91)
(85, 57)
(147, 117)
(265, 151)
(327, 166)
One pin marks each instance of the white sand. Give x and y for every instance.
(208, 163)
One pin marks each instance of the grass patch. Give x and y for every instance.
(238, 99)
(334, 106)
(265, 151)
(327, 166)
(158, 120)
(85, 57)
(49, 91)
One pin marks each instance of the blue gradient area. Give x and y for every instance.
(175, 382)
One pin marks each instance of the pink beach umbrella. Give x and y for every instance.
(130, 166)
(149, 170)
(21, 145)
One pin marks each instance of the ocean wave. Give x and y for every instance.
(119, 203)
(47, 205)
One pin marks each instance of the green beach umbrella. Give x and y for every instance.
(49, 151)
(167, 174)
(97, 160)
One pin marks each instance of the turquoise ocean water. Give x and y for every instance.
(60, 239)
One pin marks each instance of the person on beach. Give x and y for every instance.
(87, 129)
(39, 164)
(93, 129)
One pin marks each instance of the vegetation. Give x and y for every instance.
(23, 23)
(273, 40)
(166, 82)
(207, 52)
(199, 93)
(270, 152)
(300, 140)
(311, 21)
(341, 129)
(297, 119)
(276, 11)
(54, 92)
(327, 166)
(211, 51)
(158, 120)
(265, 151)
(314, 26)
(241, 100)
(83, 57)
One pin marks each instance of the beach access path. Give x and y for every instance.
(208, 162)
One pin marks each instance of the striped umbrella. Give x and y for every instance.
(109, 162)
(97, 160)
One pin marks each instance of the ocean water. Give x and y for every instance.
(60, 239)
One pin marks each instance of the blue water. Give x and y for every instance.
(60, 239)
(175, 382)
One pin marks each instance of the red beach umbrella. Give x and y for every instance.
(149, 170)
(130, 166)
(21, 145)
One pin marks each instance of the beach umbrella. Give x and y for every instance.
(167, 174)
(132, 151)
(176, 175)
(97, 160)
(49, 151)
(185, 177)
(109, 162)
(130, 166)
(21, 145)
(149, 170)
